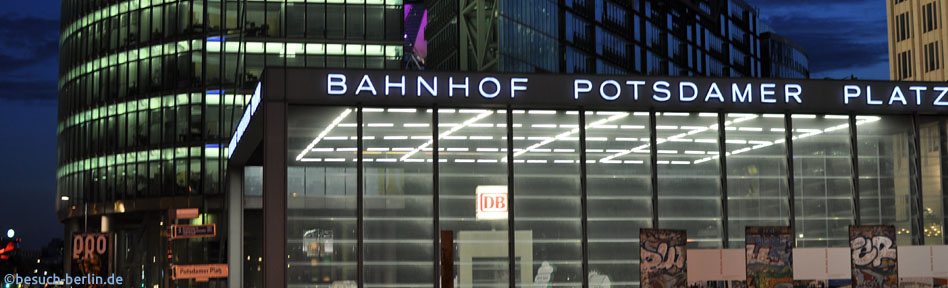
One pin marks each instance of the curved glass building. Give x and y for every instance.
(151, 89)
(784, 58)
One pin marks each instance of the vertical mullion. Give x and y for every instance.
(791, 198)
(653, 157)
(854, 151)
(584, 196)
(511, 260)
(326, 27)
(917, 231)
(360, 187)
(436, 197)
(204, 107)
(722, 176)
(943, 168)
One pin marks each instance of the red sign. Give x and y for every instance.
(492, 202)
(186, 213)
(201, 272)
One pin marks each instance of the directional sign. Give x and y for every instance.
(193, 231)
(200, 272)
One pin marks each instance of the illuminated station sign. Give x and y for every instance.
(638, 91)
(425, 89)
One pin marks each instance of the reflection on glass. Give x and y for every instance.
(886, 186)
(756, 158)
(321, 196)
(398, 197)
(933, 134)
(822, 175)
(619, 192)
(689, 190)
(472, 144)
(547, 190)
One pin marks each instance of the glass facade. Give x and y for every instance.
(578, 185)
(783, 58)
(151, 89)
(644, 37)
(823, 179)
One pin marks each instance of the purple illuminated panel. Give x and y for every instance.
(416, 47)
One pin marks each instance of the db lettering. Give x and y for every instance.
(87, 245)
(493, 202)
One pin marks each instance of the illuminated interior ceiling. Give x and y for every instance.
(551, 137)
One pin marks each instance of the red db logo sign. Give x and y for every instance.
(491, 202)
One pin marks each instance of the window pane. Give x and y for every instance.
(886, 185)
(757, 189)
(481, 244)
(689, 190)
(321, 196)
(398, 198)
(934, 134)
(374, 22)
(619, 192)
(335, 16)
(355, 25)
(295, 18)
(315, 21)
(255, 24)
(822, 175)
(547, 189)
(274, 20)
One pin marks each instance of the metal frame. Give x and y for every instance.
(511, 231)
(854, 157)
(653, 165)
(436, 199)
(722, 174)
(942, 156)
(477, 22)
(791, 198)
(360, 206)
(584, 198)
(915, 153)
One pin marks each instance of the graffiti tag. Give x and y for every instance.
(663, 256)
(866, 250)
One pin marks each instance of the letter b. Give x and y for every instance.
(336, 84)
(500, 202)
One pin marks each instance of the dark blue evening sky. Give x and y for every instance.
(843, 38)
(28, 67)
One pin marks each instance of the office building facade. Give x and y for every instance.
(916, 40)
(644, 37)
(151, 90)
(783, 58)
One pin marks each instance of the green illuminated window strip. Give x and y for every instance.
(124, 7)
(293, 49)
(132, 55)
(167, 154)
(150, 104)
(290, 50)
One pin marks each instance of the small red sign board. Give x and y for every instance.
(186, 213)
